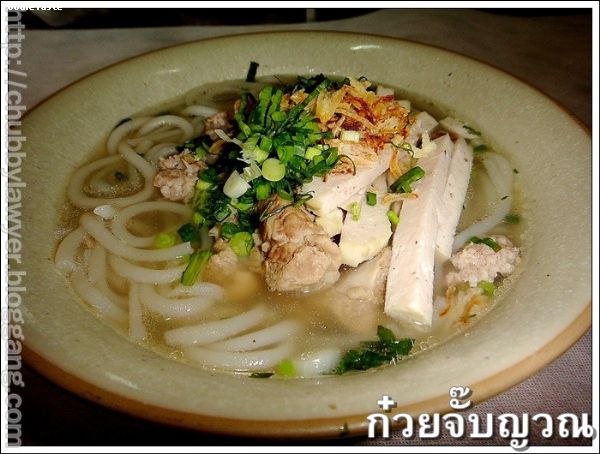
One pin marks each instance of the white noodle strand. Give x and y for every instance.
(145, 275)
(119, 225)
(66, 253)
(121, 249)
(173, 307)
(209, 332)
(263, 338)
(239, 361)
(117, 135)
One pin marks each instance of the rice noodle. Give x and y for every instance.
(168, 120)
(205, 289)
(95, 298)
(209, 332)
(121, 249)
(318, 363)
(263, 338)
(173, 307)
(77, 197)
(137, 330)
(119, 225)
(144, 145)
(97, 266)
(143, 274)
(117, 135)
(500, 172)
(159, 151)
(65, 257)
(239, 361)
(198, 110)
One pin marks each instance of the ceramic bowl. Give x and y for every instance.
(544, 312)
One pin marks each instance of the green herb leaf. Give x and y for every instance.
(375, 353)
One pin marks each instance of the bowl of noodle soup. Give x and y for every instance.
(99, 207)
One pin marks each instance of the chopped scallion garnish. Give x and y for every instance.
(371, 198)
(487, 241)
(393, 217)
(187, 232)
(198, 261)
(355, 211)
(488, 287)
(165, 240)
(241, 243)
(402, 184)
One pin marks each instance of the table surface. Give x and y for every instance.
(552, 53)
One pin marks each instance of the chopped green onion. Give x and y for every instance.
(480, 149)
(311, 153)
(195, 267)
(251, 172)
(251, 75)
(487, 241)
(273, 169)
(512, 218)
(402, 184)
(197, 218)
(235, 186)
(286, 369)
(241, 243)
(488, 287)
(471, 130)
(187, 232)
(203, 185)
(228, 229)
(393, 217)
(165, 240)
(371, 199)
(263, 191)
(278, 116)
(355, 211)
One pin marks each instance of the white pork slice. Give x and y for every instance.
(331, 192)
(331, 222)
(357, 298)
(409, 289)
(451, 208)
(362, 239)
